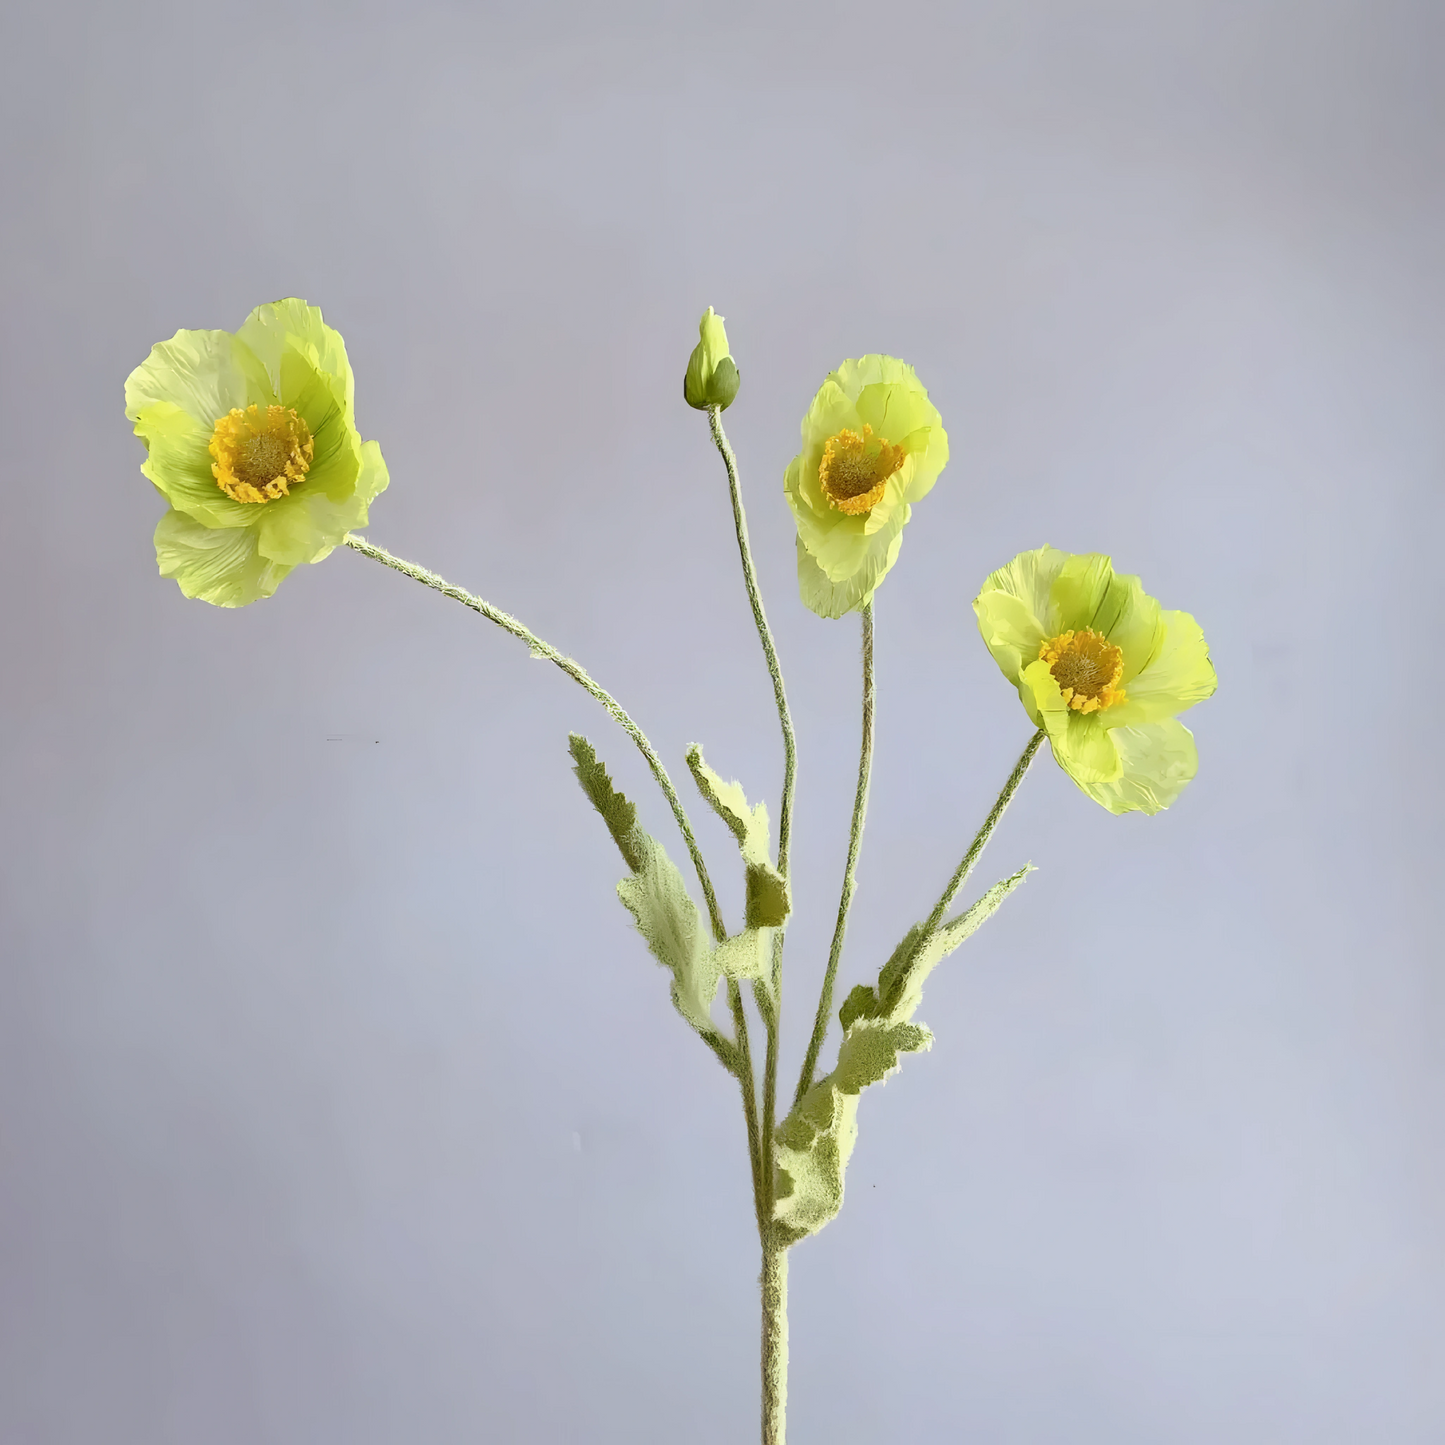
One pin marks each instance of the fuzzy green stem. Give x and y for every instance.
(734, 1056)
(578, 675)
(850, 870)
(769, 1007)
(762, 1206)
(765, 635)
(960, 876)
(775, 1341)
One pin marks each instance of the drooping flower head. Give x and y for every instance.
(251, 437)
(873, 444)
(1103, 670)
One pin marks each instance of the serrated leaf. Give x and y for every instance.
(617, 811)
(768, 903)
(814, 1143)
(656, 897)
(811, 1153)
(749, 825)
(870, 1049)
(668, 919)
(900, 982)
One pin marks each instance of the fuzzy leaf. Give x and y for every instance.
(814, 1143)
(667, 918)
(861, 1003)
(617, 811)
(744, 955)
(812, 1149)
(768, 903)
(657, 898)
(900, 983)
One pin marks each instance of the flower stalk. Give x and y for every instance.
(850, 867)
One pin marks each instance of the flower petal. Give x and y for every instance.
(307, 524)
(832, 410)
(1029, 578)
(1081, 745)
(1178, 675)
(1086, 750)
(178, 462)
(217, 564)
(1158, 760)
(1078, 592)
(1129, 617)
(1010, 631)
(895, 411)
(316, 398)
(271, 330)
(204, 373)
(829, 598)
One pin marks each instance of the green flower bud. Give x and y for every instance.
(712, 376)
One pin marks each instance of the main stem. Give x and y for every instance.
(850, 869)
(775, 1256)
(775, 1341)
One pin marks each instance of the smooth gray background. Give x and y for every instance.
(338, 1102)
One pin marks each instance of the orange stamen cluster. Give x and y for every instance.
(855, 469)
(1087, 667)
(260, 455)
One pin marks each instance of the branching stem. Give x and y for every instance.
(735, 1056)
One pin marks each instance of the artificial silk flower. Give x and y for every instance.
(1103, 670)
(873, 444)
(251, 437)
(712, 374)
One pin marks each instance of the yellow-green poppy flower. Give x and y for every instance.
(873, 444)
(1103, 670)
(251, 437)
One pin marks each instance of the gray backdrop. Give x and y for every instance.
(338, 1103)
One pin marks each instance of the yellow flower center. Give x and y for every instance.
(855, 470)
(1087, 667)
(260, 455)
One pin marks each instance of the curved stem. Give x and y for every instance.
(960, 875)
(736, 1057)
(850, 871)
(578, 675)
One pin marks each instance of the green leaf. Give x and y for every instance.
(668, 919)
(870, 1049)
(767, 897)
(814, 1143)
(861, 1003)
(768, 903)
(617, 812)
(900, 983)
(657, 898)
(812, 1149)
(744, 955)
